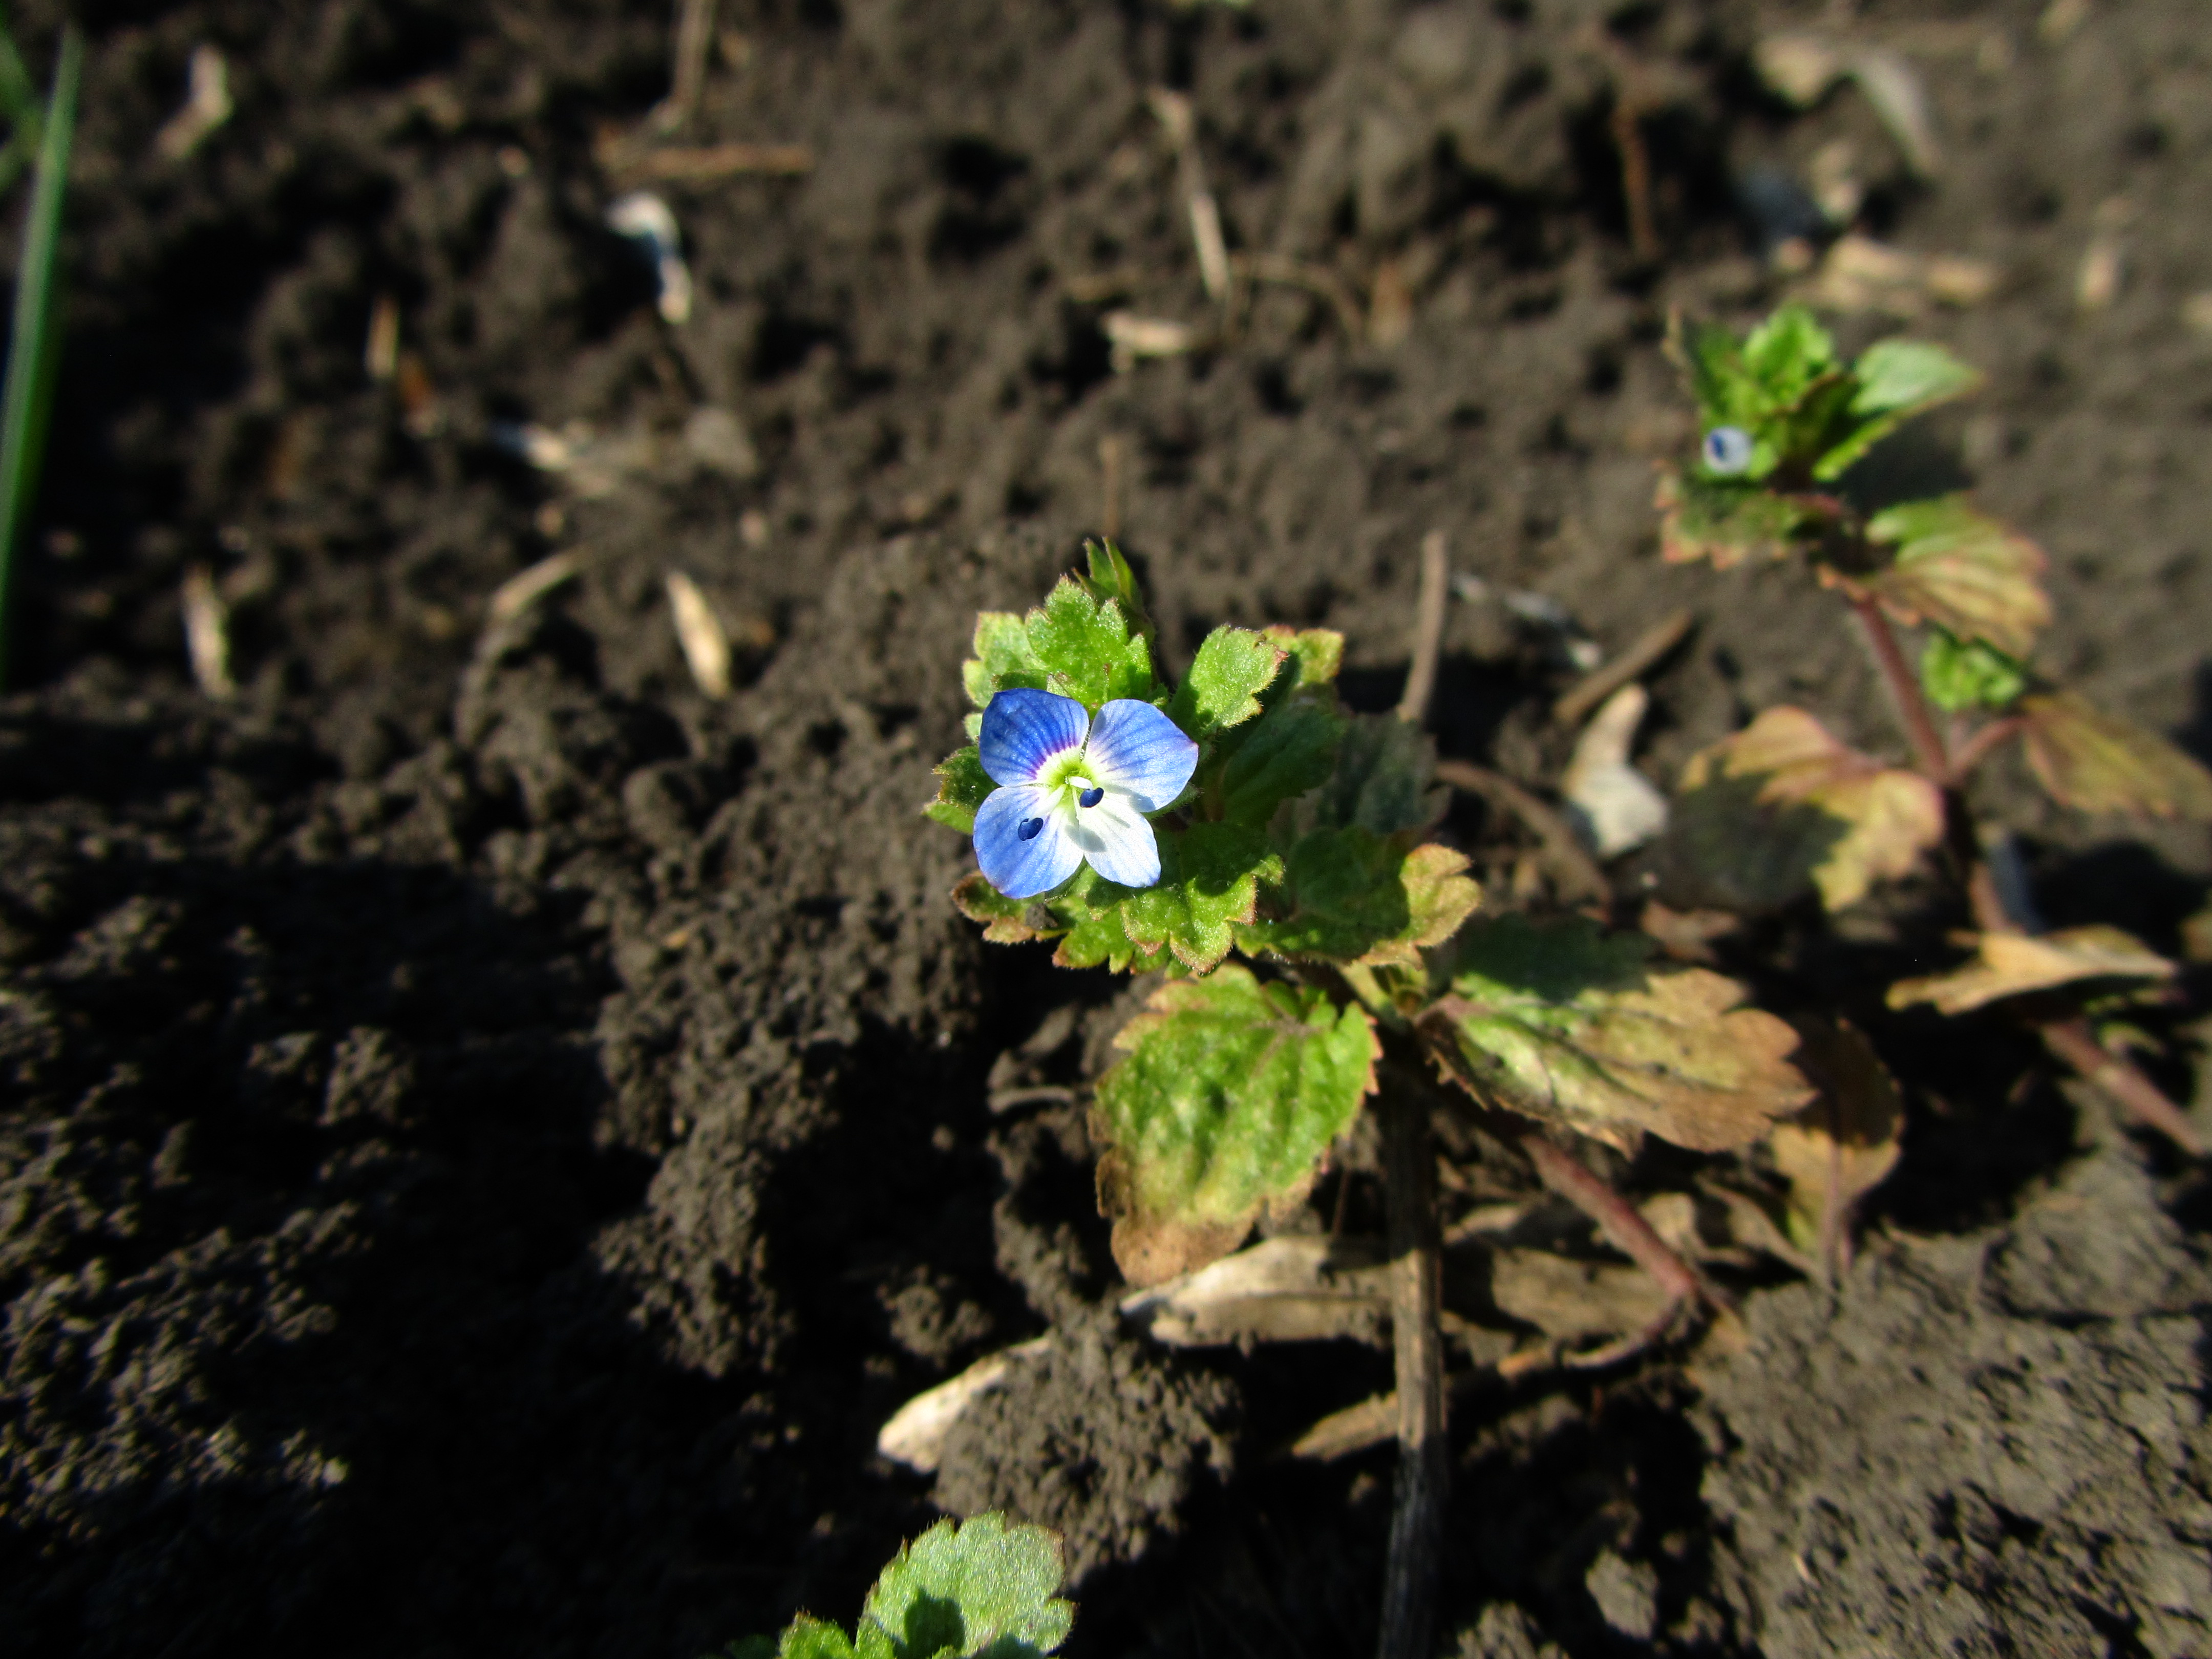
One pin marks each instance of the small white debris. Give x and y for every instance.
(915, 1435)
(644, 218)
(1614, 807)
(1292, 1289)
(207, 107)
(717, 441)
(706, 644)
(540, 445)
(524, 589)
(207, 634)
(1134, 338)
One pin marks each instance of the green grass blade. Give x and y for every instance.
(26, 398)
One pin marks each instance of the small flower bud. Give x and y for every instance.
(1727, 450)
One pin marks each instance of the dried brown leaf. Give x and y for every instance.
(1959, 568)
(2098, 763)
(2012, 964)
(1844, 1145)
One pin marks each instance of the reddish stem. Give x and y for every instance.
(1904, 692)
(1630, 1233)
(2073, 1041)
(1976, 750)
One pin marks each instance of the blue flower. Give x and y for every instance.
(1075, 787)
(1727, 450)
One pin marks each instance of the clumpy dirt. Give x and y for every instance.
(489, 1131)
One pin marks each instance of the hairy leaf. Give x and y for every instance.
(1290, 749)
(1002, 659)
(1317, 653)
(1209, 882)
(1895, 380)
(1782, 804)
(1090, 908)
(808, 1638)
(1232, 667)
(1111, 578)
(1844, 1145)
(1728, 521)
(1229, 1093)
(1085, 647)
(1005, 921)
(963, 786)
(1788, 354)
(1349, 896)
(1958, 569)
(1380, 783)
(1565, 1023)
(2012, 964)
(2098, 763)
(987, 1587)
(1961, 674)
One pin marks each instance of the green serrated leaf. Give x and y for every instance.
(808, 1637)
(1086, 649)
(963, 786)
(1353, 897)
(1230, 1093)
(1959, 568)
(1210, 876)
(1005, 921)
(1728, 520)
(1381, 782)
(1290, 749)
(1565, 1023)
(1002, 659)
(1895, 380)
(1111, 578)
(1961, 674)
(985, 1586)
(1316, 653)
(1232, 667)
(1089, 908)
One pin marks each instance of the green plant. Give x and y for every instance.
(981, 1589)
(26, 395)
(1151, 826)
(1783, 806)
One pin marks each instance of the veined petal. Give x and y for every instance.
(1115, 838)
(1024, 730)
(1023, 866)
(1136, 750)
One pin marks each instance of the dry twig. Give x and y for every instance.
(1576, 872)
(1428, 630)
(695, 37)
(1651, 647)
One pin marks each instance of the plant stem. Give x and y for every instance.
(1428, 630)
(1976, 750)
(2073, 1041)
(1416, 1293)
(1629, 1232)
(1903, 685)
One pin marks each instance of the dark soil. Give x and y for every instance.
(489, 1133)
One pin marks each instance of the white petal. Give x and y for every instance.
(1114, 837)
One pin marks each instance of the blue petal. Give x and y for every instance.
(1024, 730)
(1019, 868)
(1117, 841)
(1139, 751)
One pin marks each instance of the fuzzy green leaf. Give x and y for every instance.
(1111, 578)
(985, 1587)
(1222, 688)
(1085, 648)
(1961, 674)
(1381, 783)
(1005, 921)
(963, 786)
(1728, 520)
(1896, 379)
(1090, 909)
(1787, 354)
(1209, 882)
(1564, 1023)
(808, 1637)
(1353, 897)
(1002, 659)
(1958, 569)
(1230, 1093)
(1289, 750)
(1316, 653)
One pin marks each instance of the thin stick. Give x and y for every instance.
(1903, 691)
(1634, 175)
(695, 34)
(1977, 749)
(207, 634)
(1111, 451)
(1416, 1276)
(1428, 630)
(1314, 279)
(1576, 703)
(1629, 1232)
(1581, 877)
(2075, 1043)
(703, 164)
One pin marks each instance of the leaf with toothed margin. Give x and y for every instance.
(964, 1590)
(1349, 895)
(963, 787)
(1566, 1024)
(1005, 921)
(1316, 653)
(1090, 907)
(2014, 964)
(1290, 749)
(1958, 569)
(2098, 763)
(1111, 578)
(1381, 783)
(1728, 521)
(1085, 648)
(1003, 658)
(1210, 876)
(1961, 674)
(1232, 667)
(1229, 1091)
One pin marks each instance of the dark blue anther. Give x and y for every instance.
(1727, 449)
(1090, 797)
(1030, 829)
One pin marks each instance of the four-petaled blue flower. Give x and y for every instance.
(1075, 787)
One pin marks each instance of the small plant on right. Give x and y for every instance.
(1784, 805)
